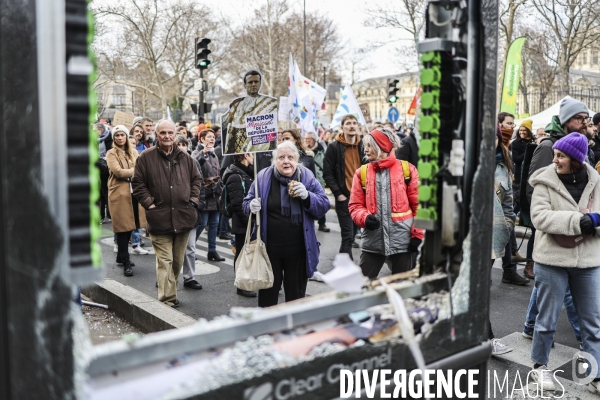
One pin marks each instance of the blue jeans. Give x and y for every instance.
(551, 284)
(210, 218)
(223, 225)
(532, 313)
(136, 238)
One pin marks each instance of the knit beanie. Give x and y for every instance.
(575, 145)
(569, 107)
(527, 124)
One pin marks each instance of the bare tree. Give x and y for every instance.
(265, 41)
(404, 16)
(574, 25)
(154, 36)
(508, 18)
(538, 73)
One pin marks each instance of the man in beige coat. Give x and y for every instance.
(167, 183)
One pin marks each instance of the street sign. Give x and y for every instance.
(198, 84)
(393, 114)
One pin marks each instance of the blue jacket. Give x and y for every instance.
(319, 205)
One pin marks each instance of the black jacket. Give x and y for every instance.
(517, 148)
(334, 167)
(409, 150)
(263, 160)
(308, 162)
(596, 149)
(233, 177)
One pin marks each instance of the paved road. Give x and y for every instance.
(508, 302)
(218, 294)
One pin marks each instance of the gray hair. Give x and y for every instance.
(181, 139)
(162, 121)
(311, 135)
(368, 140)
(289, 145)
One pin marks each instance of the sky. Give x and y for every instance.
(348, 15)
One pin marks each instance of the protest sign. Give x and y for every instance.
(121, 118)
(260, 130)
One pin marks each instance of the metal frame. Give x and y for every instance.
(165, 345)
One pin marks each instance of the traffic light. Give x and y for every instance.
(202, 52)
(207, 107)
(393, 91)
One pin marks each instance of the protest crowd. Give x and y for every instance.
(163, 184)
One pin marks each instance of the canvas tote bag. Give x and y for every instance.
(253, 270)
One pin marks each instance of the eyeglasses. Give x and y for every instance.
(581, 119)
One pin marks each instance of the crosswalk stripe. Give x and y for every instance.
(202, 250)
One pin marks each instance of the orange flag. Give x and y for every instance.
(412, 110)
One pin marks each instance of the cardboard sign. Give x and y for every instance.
(284, 109)
(364, 108)
(121, 118)
(261, 129)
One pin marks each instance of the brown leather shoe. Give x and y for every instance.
(528, 271)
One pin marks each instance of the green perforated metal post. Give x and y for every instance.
(429, 125)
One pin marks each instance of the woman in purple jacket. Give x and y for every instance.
(287, 222)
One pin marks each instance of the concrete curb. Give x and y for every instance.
(145, 312)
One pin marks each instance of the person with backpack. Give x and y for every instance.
(386, 207)
(237, 179)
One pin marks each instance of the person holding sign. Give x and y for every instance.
(289, 200)
(249, 112)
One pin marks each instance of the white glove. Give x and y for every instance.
(255, 206)
(300, 190)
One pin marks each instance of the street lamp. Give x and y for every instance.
(325, 65)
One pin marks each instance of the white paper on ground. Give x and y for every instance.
(345, 276)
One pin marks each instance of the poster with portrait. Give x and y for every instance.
(234, 124)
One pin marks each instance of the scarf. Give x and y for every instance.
(289, 205)
(507, 134)
(386, 163)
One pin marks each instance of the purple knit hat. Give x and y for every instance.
(575, 145)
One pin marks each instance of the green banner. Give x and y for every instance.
(512, 75)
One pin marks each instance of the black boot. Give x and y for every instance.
(127, 271)
(123, 257)
(214, 256)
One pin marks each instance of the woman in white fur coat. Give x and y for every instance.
(566, 201)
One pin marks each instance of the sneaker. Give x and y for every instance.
(514, 278)
(527, 335)
(579, 357)
(116, 248)
(543, 376)
(317, 276)
(594, 387)
(139, 250)
(517, 258)
(499, 348)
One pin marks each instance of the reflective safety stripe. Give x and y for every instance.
(402, 214)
